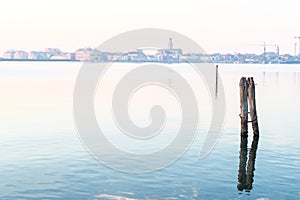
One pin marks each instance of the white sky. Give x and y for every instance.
(217, 25)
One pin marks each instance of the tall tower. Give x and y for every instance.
(170, 43)
(265, 59)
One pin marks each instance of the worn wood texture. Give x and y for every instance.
(252, 105)
(244, 106)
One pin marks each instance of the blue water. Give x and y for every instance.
(41, 156)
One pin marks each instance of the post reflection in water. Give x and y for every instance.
(277, 79)
(246, 170)
(264, 79)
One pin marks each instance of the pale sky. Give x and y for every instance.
(217, 25)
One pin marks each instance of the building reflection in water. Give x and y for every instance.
(246, 170)
(298, 83)
(217, 80)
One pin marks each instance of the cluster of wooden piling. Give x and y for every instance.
(247, 97)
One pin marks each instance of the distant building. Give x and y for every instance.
(137, 55)
(9, 54)
(70, 56)
(123, 58)
(194, 57)
(108, 56)
(191, 57)
(151, 58)
(21, 55)
(84, 54)
(38, 55)
(169, 54)
(53, 52)
(13, 54)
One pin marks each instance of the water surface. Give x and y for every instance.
(41, 156)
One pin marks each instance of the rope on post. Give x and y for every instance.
(253, 120)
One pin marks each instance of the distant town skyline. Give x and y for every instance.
(167, 55)
(216, 25)
(268, 48)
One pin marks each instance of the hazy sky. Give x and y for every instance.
(217, 25)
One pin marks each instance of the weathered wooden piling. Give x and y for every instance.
(244, 106)
(252, 104)
(247, 95)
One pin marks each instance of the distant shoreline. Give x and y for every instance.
(39, 60)
(128, 61)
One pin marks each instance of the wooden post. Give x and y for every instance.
(252, 104)
(244, 106)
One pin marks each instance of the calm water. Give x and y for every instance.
(41, 156)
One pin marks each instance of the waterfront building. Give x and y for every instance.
(53, 52)
(21, 55)
(38, 55)
(70, 56)
(9, 54)
(84, 54)
(196, 57)
(15, 54)
(136, 55)
(170, 54)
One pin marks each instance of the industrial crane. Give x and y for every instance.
(265, 45)
(297, 37)
(269, 45)
(265, 49)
